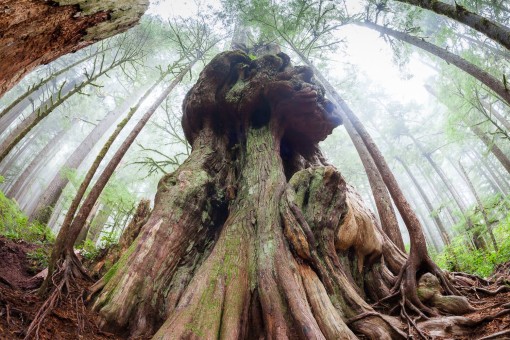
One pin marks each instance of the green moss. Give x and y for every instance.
(121, 263)
(123, 14)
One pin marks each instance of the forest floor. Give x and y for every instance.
(19, 302)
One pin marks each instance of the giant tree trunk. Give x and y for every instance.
(493, 30)
(35, 32)
(484, 77)
(254, 236)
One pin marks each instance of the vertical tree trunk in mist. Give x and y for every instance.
(477, 239)
(51, 194)
(481, 207)
(484, 77)
(496, 151)
(440, 226)
(97, 224)
(493, 30)
(83, 234)
(502, 185)
(41, 156)
(34, 32)
(485, 173)
(440, 196)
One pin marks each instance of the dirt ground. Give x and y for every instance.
(72, 320)
(19, 302)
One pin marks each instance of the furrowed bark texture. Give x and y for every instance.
(254, 235)
(35, 32)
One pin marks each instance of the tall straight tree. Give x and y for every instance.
(42, 212)
(477, 239)
(481, 207)
(41, 156)
(442, 230)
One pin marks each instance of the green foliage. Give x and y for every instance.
(39, 258)
(89, 250)
(461, 256)
(15, 225)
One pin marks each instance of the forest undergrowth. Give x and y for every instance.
(25, 247)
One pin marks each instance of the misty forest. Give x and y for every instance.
(255, 169)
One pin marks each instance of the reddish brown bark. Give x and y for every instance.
(35, 32)
(254, 236)
(265, 258)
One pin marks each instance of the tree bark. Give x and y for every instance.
(493, 30)
(34, 32)
(264, 255)
(485, 78)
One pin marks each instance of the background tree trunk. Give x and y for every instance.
(493, 30)
(442, 230)
(42, 212)
(484, 77)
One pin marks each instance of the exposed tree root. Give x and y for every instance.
(63, 283)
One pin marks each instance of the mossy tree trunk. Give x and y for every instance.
(254, 235)
(35, 32)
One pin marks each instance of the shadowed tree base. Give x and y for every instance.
(255, 235)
